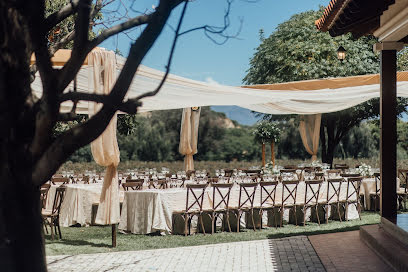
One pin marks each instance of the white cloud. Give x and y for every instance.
(211, 81)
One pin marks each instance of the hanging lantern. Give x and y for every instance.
(341, 53)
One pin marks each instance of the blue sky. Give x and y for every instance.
(196, 56)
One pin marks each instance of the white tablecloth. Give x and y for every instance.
(76, 207)
(367, 187)
(149, 211)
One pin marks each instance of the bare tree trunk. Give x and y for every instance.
(21, 235)
(263, 154)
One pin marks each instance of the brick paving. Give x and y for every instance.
(344, 251)
(287, 254)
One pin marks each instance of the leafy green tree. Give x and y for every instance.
(297, 51)
(238, 145)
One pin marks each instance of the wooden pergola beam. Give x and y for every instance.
(388, 123)
(60, 58)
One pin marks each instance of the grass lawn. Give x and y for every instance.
(98, 239)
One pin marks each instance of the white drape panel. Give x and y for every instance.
(309, 128)
(105, 148)
(189, 136)
(303, 97)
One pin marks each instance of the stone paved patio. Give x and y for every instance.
(287, 254)
(346, 252)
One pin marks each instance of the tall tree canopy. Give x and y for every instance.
(297, 51)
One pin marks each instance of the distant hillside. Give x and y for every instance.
(241, 115)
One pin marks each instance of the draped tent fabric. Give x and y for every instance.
(189, 136)
(301, 97)
(105, 150)
(309, 128)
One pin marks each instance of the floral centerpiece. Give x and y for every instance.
(271, 169)
(365, 170)
(267, 132)
(316, 163)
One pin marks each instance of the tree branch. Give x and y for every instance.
(72, 67)
(130, 106)
(68, 116)
(137, 21)
(48, 107)
(62, 43)
(218, 30)
(152, 93)
(60, 15)
(88, 131)
(80, 49)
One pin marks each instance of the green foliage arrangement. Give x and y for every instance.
(266, 132)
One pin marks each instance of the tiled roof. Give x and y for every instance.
(330, 14)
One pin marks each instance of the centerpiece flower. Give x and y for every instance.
(365, 170)
(267, 132)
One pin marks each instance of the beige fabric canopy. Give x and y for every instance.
(302, 97)
(189, 135)
(105, 148)
(309, 128)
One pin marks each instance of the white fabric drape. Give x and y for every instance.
(303, 97)
(105, 148)
(189, 136)
(309, 128)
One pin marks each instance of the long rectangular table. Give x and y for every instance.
(149, 211)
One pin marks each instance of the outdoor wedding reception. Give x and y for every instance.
(273, 143)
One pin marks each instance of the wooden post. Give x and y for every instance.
(388, 139)
(113, 235)
(273, 152)
(263, 154)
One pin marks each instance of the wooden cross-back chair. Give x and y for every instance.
(246, 201)
(268, 198)
(213, 180)
(311, 171)
(194, 206)
(349, 175)
(332, 196)
(44, 194)
(352, 196)
(319, 175)
(189, 173)
(312, 194)
(375, 196)
(288, 174)
(270, 178)
(59, 180)
(341, 166)
(220, 203)
(158, 184)
(402, 193)
(172, 180)
(228, 172)
(306, 171)
(289, 193)
(134, 184)
(52, 217)
(252, 172)
(333, 173)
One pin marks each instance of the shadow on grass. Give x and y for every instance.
(316, 232)
(76, 242)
